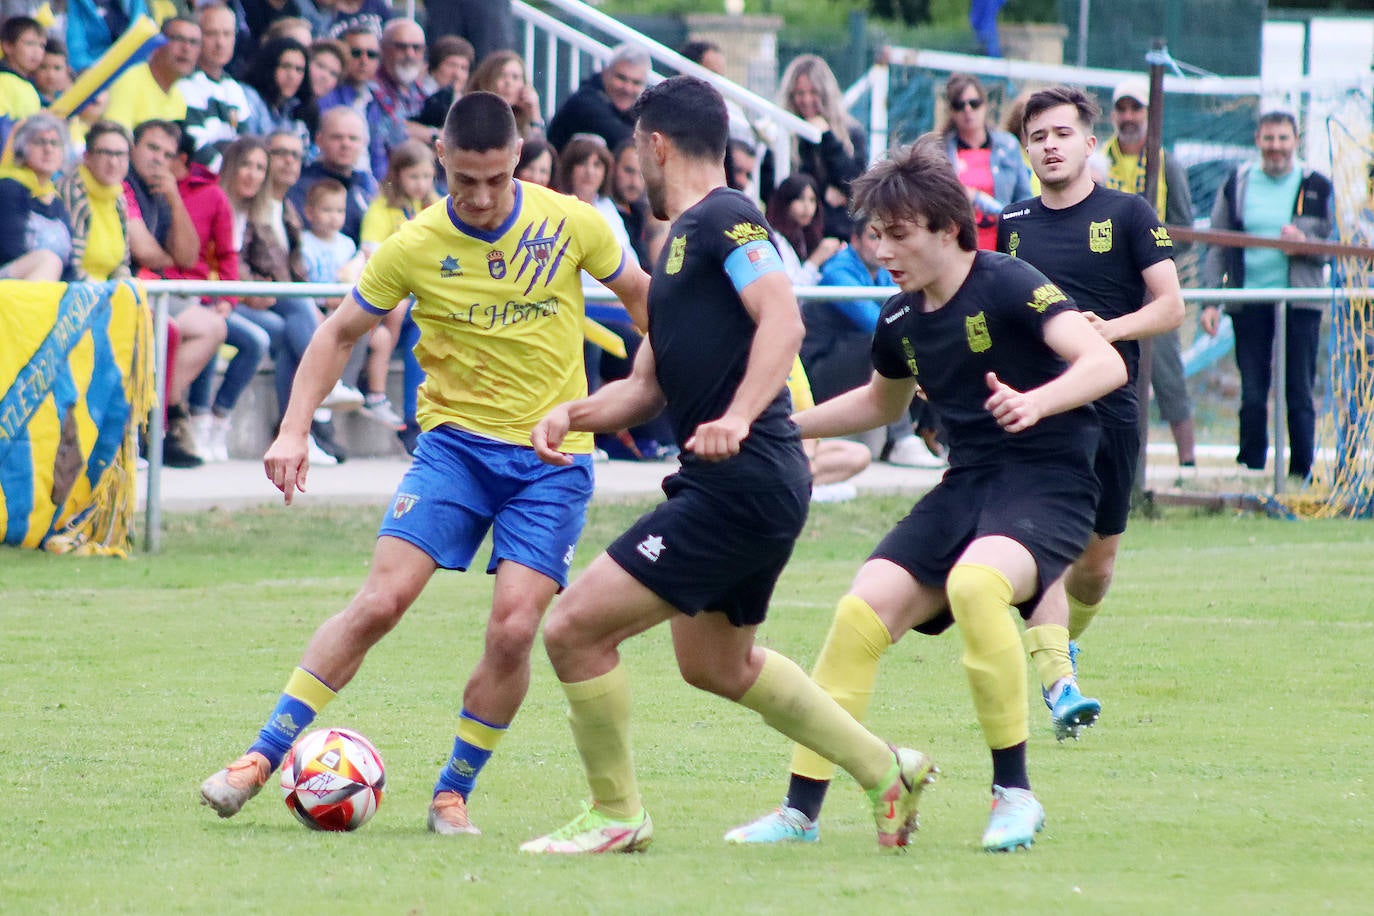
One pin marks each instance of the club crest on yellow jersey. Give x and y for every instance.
(496, 264)
(1100, 237)
(676, 253)
(976, 327)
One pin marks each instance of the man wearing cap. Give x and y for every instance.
(1124, 166)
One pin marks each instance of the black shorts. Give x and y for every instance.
(709, 550)
(1118, 453)
(1048, 509)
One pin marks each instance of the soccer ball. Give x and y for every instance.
(333, 780)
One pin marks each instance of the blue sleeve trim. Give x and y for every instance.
(750, 261)
(367, 306)
(619, 268)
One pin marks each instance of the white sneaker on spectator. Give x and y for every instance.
(318, 456)
(200, 435)
(379, 409)
(343, 397)
(219, 438)
(911, 452)
(841, 492)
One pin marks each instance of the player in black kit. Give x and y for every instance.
(1108, 250)
(724, 330)
(1009, 364)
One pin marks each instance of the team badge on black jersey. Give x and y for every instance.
(1100, 237)
(1013, 242)
(976, 326)
(675, 255)
(1161, 237)
(1046, 295)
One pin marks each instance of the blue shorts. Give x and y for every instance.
(461, 484)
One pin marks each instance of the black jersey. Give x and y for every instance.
(701, 335)
(1095, 251)
(994, 323)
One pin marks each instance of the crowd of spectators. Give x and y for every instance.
(286, 139)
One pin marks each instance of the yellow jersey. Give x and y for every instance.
(136, 97)
(382, 220)
(499, 311)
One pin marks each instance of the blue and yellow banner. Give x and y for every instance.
(76, 369)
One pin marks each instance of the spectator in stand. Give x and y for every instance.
(584, 171)
(217, 258)
(36, 234)
(450, 66)
(601, 105)
(216, 103)
(261, 17)
(94, 198)
(285, 153)
(1279, 197)
(153, 90)
(798, 234)
(289, 27)
(1014, 123)
(94, 25)
(538, 162)
(810, 92)
(356, 87)
(742, 162)
(328, 58)
(277, 90)
(341, 137)
(987, 161)
(646, 233)
(711, 56)
(487, 24)
(23, 41)
(504, 73)
(338, 16)
(396, 93)
(162, 235)
(53, 76)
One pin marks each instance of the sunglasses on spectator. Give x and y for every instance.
(962, 104)
(369, 53)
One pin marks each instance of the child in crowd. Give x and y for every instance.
(407, 189)
(331, 257)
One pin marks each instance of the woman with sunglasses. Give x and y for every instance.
(988, 161)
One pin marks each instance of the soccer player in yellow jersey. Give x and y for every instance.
(495, 272)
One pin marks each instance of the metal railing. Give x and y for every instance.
(565, 41)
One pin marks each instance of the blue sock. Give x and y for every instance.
(471, 750)
(287, 721)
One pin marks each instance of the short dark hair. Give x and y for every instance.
(170, 128)
(14, 28)
(696, 51)
(446, 46)
(1053, 97)
(1278, 116)
(478, 122)
(185, 20)
(689, 112)
(324, 187)
(917, 181)
(102, 127)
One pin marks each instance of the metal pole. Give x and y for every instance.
(1083, 32)
(1280, 394)
(157, 427)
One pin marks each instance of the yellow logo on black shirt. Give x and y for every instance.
(740, 233)
(676, 253)
(1046, 296)
(1100, 237)
(979, 340)
(1013, 243)
(1161, 235)
(910, 353)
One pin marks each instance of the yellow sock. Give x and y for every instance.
(309, 689)
(1048, 646)
(795, 705)
(846, 669)
(1080, 615)
(995, 663)
(599, 713)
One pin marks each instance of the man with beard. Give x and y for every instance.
(396, 93)
(724, 330)
(1125, 167)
